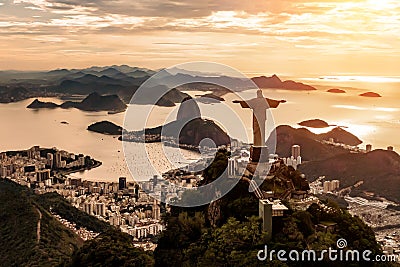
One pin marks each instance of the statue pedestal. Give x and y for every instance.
(257, 169)
(259, 154)
(259, 161)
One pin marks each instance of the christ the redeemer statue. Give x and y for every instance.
(259, 105)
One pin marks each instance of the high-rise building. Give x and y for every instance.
(327, 186)
(232, 163)
(89, 208)
(33, 152)
(81, 161)
(50, 160)
(100, 209)
(48, 182)
(295, 151)
(368, 148)
(122, 183)
(268, 209)
(57, 159)
(155, 180)
(330, 186)
(335, 184)
(3, 171)
(298, 160)
(156, 210)
(42, 175)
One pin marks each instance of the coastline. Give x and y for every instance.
(35, 152)
(87, 168)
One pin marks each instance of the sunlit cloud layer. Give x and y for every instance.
(358, 36)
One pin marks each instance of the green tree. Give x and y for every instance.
(111, 248)
(234, 244)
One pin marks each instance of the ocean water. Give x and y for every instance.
(374, 120)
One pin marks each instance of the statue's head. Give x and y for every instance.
(259, 93)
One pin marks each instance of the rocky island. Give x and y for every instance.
(194, 129)
(36, 104)
(105, 127)
(210, 98)
(93, 102)
(97, 102)
(336, 91)
(316, 123)
(370, 94)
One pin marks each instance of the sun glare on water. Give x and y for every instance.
(381, 4)
(360, 130)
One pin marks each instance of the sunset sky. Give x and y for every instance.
(289, 37)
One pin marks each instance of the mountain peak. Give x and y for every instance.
(188, 109)
(93, 94)
(275, 82)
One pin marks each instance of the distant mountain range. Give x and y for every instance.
(275, 82)
(125, 80)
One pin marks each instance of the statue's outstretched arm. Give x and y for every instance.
(274, 103)
(242, 103)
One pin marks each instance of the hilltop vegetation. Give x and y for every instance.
(311, 146)
(105, 127)
(379, 170)
(20, 212)
(227, 232)
(190, 240)
(61, 206)
(111, 248)
(19, 216)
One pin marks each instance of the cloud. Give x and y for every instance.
(184, 8)
(294, 28)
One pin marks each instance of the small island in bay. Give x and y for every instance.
(370, 94)
(105, 127)
(336, 91)
(315, 123)
(93, 102)
(210, 98)
(97, 102)
(36, 104)
(165, 102)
